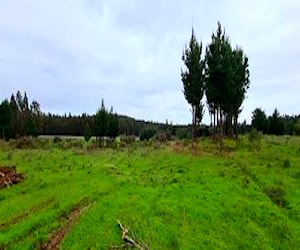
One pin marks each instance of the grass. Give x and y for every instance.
(246, 196)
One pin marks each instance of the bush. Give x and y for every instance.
(25, 142)
(87, 132)
(110, 142)
(286, 163)
(297, 128)
(254, 136)
(183, 133)
(127, 140)
(57, 139)
(92, 145)
(162, 138)
(147, 134)
(73, 143)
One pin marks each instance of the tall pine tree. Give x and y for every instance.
(227, 80)
(193, 79)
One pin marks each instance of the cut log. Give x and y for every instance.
(129, 240)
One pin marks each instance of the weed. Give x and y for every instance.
(57, 139)
(297, 175)
(245, 181)
(9, 156)
(286, 163)
(254, 139)
(25, 142)
(222, 172)
(277, 195)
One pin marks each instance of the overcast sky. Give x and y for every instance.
(69, 54)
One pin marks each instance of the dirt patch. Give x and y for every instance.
(9, 176)
(57, 237)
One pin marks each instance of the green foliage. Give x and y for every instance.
(183, 133)
(57, 139)
(227, 79)
(107, 124)
(112, 124)
(5, 118)
(297, 127)
(193, 79)
(259, 120)
(254, 135)
(286, 163)
(147, 134)
(17, 119)
(101, 121)
(87, 132)
(254, 138)
(275, 124)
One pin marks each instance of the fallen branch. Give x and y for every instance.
(127, 239)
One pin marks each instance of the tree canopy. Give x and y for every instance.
(227, 80)
(193, 79)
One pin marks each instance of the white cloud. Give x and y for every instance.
(70, 54)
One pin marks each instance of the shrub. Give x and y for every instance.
(254, 136)
(254, 139)
(147, 134)
(286, 163)
(73, 143)
(87, 132)
(297, 127)
(162, 138)
(183, 133)
(127, 140)
(57, 139)
(92, 145)
(25, 142)
(110, 142)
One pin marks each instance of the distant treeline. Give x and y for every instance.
(275, 124)
(19, 118)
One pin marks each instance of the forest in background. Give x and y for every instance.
(19, 118)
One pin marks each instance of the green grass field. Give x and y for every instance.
(245, 197)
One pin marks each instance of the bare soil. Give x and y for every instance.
(9, 176)
(57, 237)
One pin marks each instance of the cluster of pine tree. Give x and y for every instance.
(106, 123)
(223, 75)
(275, 124)
(18, 118)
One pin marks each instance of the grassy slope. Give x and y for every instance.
(169, 199)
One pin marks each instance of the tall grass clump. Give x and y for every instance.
(254, 139)
(276, 195)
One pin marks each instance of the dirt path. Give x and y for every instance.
(36, 208)
(57, 237)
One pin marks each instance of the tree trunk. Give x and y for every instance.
(236, 126)
(214, 129)
(194, 128)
